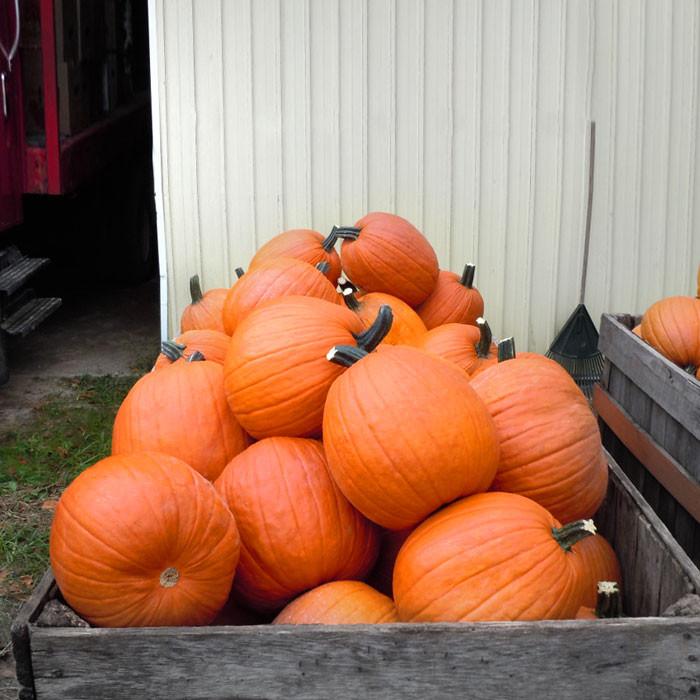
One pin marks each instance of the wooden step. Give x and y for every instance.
(29, 316)
(15, 275)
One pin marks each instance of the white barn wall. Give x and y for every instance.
(468, 117)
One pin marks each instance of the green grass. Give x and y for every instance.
(71, 430)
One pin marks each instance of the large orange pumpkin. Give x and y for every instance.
(181, 410)
(405, 433)
(272, 279)
(467, 346)
(302, 244)
(339, 603)
(212, 344)
(276, 372)
(672, 326)
(454, 299)
(143, 540)
(385, 253)
(406, 328)
(205, 311)
(297, 529)
(492, 556)
(550, 443)
(595, 561)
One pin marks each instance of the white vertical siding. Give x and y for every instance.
(468, 117)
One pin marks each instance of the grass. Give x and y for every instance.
(71, 430)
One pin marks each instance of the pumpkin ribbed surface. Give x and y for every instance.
(297, 529)
(672, 326)
(212, 344)
(276, 374)
(181, 410)
(339, 603)
(143, 540)
(550, 443)
(491, 556)
(451, 302)
(404, 434)
(595, 561)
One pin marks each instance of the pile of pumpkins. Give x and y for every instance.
(336, 439)
(672, 327)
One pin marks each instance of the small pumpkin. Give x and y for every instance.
(385, 253)
(273, 279)
(595, 561)
(303, 244)
(206, 310)
(212, 344)
(142, 539)
(672, 327)
(492, 556)
(339, 603)
(297, 529)
(469, 347)
(405, 433)
(181, 410)
(454, 299)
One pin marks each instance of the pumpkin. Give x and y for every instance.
(406, 328)
(143, 540)
(205, 311)
(339, 603)
(297, 529)
(453, 300)
(405, 433)
(637, 330)
(385, 253)
(672, 327)
(469, 347)
(276, 374)
(181, 410)
(550, 443)
(608, 603)
(212, 344)
(596, 561)
(302, 244)
(390, 542)
(272, 279)
(492, 556)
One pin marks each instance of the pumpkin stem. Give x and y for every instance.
(350, 232)
(467, 278)
(195, 289)
(323, 267)
(568, 535)
(484, 345)
(329, 241)
(350, 299)
(172, 350)
(239, 272)
(169, 577)
(196, 356)
(609, 601)
(372, 336)
(343, 284)
(506, 349)
(345, 355)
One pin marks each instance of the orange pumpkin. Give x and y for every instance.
(492, 556)
(212, 344)
(595, 561)
(637, 330)
(276, 374)
(469, 347)
(550, 443)
(206, 310)
(297, 529)
(453, 300)
(181, 410)
(302, 244)
(272, 279)
(406, 328)
(405, 433)
(339, 603)
(672, 326)
(143, 540)
(385, 253)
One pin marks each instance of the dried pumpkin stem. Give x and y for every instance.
(350, 299)
(345, 355)
(467, 278)
(372, 336)
(568, 535)
(506, 349)
(484, 345)
(329, 241)
(196, 356)
(195, 289)
(609, 601)
(323, 267)
(172, 350)
(239, 272)
(350, 232)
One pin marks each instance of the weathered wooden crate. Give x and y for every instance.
(649, 411)
(645, 656)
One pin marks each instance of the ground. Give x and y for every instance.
(67, 380)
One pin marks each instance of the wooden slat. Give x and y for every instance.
(679, 483)
(670, 387)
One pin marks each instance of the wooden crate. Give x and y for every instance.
(649, 412)
(639, 657)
